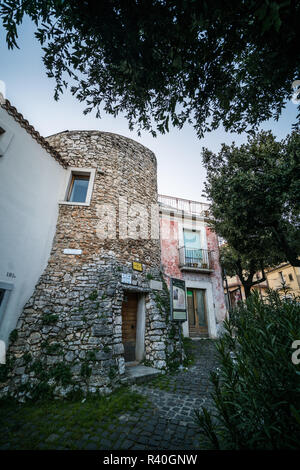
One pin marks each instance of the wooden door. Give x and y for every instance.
(197, 315)
(129, 313)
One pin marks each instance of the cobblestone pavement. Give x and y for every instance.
(165, 421)
(169, 423)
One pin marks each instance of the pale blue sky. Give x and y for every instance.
(180, 170)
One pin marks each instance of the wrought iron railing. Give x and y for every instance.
(193, 258)
(179, 204)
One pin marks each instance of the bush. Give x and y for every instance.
(256, 389)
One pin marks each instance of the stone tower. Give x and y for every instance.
(101, 300)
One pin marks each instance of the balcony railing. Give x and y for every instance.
(192, 207)
(195, 259)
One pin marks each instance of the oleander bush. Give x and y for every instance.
(256, 394)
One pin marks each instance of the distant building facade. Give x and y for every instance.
(190, 251)
(284, 276)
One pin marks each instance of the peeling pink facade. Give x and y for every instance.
(176, 217)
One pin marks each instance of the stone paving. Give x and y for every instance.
(164, 422)
(169, 424)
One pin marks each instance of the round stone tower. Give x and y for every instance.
(123, 198)
(101, 301)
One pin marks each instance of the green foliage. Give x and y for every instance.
(70, 420)
(39, 392)
(228, 62)
(53, 348)
(91, 356)
(172, 332)
(5, 369)
(113, 371)
(162, 383)
(85, 371)
(255, 197)
(27, 357)
(49, 319)
(163, 300)
(62, 374)
(93, 295)
(38, 367)
(246, 266)
(173, 360)
(13, 336)
(257, 389)
(188, 348)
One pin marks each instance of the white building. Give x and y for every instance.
(32, 175)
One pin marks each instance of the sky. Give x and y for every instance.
(178, 153)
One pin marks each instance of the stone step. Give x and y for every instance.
(139, 374)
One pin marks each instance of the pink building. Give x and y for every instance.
(190, 251)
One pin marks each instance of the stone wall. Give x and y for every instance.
(69, 336)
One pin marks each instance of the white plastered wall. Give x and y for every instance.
(31, 182)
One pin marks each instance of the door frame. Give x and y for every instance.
(140, 323)
(210, 307)
(200, 329)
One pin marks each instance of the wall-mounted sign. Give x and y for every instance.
(126, 278)
(71, 251)
(137, 266)
(156, 285)
(178, 299)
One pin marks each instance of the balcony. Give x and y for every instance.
(195, 260)
(184, 205)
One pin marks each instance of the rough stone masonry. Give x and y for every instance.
(69, 336)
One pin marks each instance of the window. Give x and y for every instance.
(281, 276)
(291, 277)
(79, 186)
(192, 244)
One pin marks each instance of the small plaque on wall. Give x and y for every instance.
(156, 285)
(126, 278)
(137, 266)
(70, 251)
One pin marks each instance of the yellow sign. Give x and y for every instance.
(137, 266)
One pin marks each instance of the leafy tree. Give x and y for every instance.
(255, 196)
(256, 398)
(246, 266)
(207, 62)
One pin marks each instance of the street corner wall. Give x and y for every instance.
(216, 277)
(69, 336)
